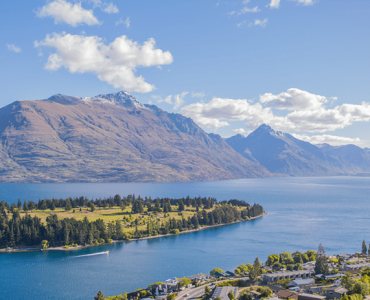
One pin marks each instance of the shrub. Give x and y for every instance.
(95, 242)
(175, 231)
(110, 241)
(101, 241)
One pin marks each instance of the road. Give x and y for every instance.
(196, 292)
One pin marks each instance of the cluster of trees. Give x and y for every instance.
(253, 271)
(290, 261)
(117, 200)
(357, 289)
(221, 214)
(16, 230)
(365, 250)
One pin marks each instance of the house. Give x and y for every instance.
(223, 292)
(316, 289)
(273, 277)
(301, 283)
(326, 277)
(347, 267)
(335, 292)
(305, 296)
(275, 288)
(286, 294)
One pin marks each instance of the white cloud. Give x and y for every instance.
(114, 63)
(218, 111)
(274, 4)
(126, 22)
(110, 8)
(329, 139)
(245, 10)
(159, 99)
(65, 12)
(241, 23)
(13, 48)
(239, 130)
(258, 22)
(293, 99)
(179, 100)
(305, 2)
(197, 95)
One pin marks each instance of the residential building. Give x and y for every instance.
(287, 294)
(255, 294)
(223, 292)
(348, 267)
(301, 283)
(335, 292)
(305, 296)
(273, 277)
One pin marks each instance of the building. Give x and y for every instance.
(273, 277)
(223, 292)
(301, 283)
(335, 292)
(316, 289)
(287, 294)
(347, 267)
(305, 296)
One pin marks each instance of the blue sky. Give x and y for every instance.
(301, 66)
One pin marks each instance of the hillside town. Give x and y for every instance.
(297, 276)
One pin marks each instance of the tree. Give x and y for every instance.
(361, 288)
(217, 298)
(364, 249)
(245, 296)
(207, 290)
(99, 296)
(25, 207)
(171, 296)
(181, 205)
(184, 281)
(218, 270)
(231, 295)
(347, 281)
(321, 266)
(68, 205)
(255, 270)
(44, 244)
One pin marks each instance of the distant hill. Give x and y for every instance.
(283, 154)
(110, 138)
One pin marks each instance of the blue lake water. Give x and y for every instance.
(302, 212)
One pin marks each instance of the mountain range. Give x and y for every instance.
(111, 138)
(281, 153)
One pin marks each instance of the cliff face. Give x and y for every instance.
(110, 138)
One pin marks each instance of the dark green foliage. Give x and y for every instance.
(99, 296)
(321, 262)
(364, 249)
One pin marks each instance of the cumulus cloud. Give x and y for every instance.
(114, 63)
(125, 22)
(66, 12)
(329, 139)
(239, 130)
(274, 4)
(13, 48)
(293, 99)
(258, 22)
(110, 8)
(179, 100)
(218, 111)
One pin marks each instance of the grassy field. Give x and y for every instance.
(113, 214)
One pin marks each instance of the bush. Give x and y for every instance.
(101, 241)
(66, 246)
(95, 242)
(175, 231)
(110, 241)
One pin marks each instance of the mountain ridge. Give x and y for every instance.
(281, 153)
(110, 138)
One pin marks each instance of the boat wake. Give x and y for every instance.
(93, 254)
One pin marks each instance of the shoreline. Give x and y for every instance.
(61, 248)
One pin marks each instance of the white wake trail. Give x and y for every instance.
(93, 254)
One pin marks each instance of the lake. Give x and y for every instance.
(301, 213)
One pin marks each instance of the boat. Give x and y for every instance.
(107, 252)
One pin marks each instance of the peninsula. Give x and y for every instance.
(66, 224)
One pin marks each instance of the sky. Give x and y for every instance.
(300, 66)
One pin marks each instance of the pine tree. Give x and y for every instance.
(99, 296)
(321, 266)
(364, 249)
(68, 205)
